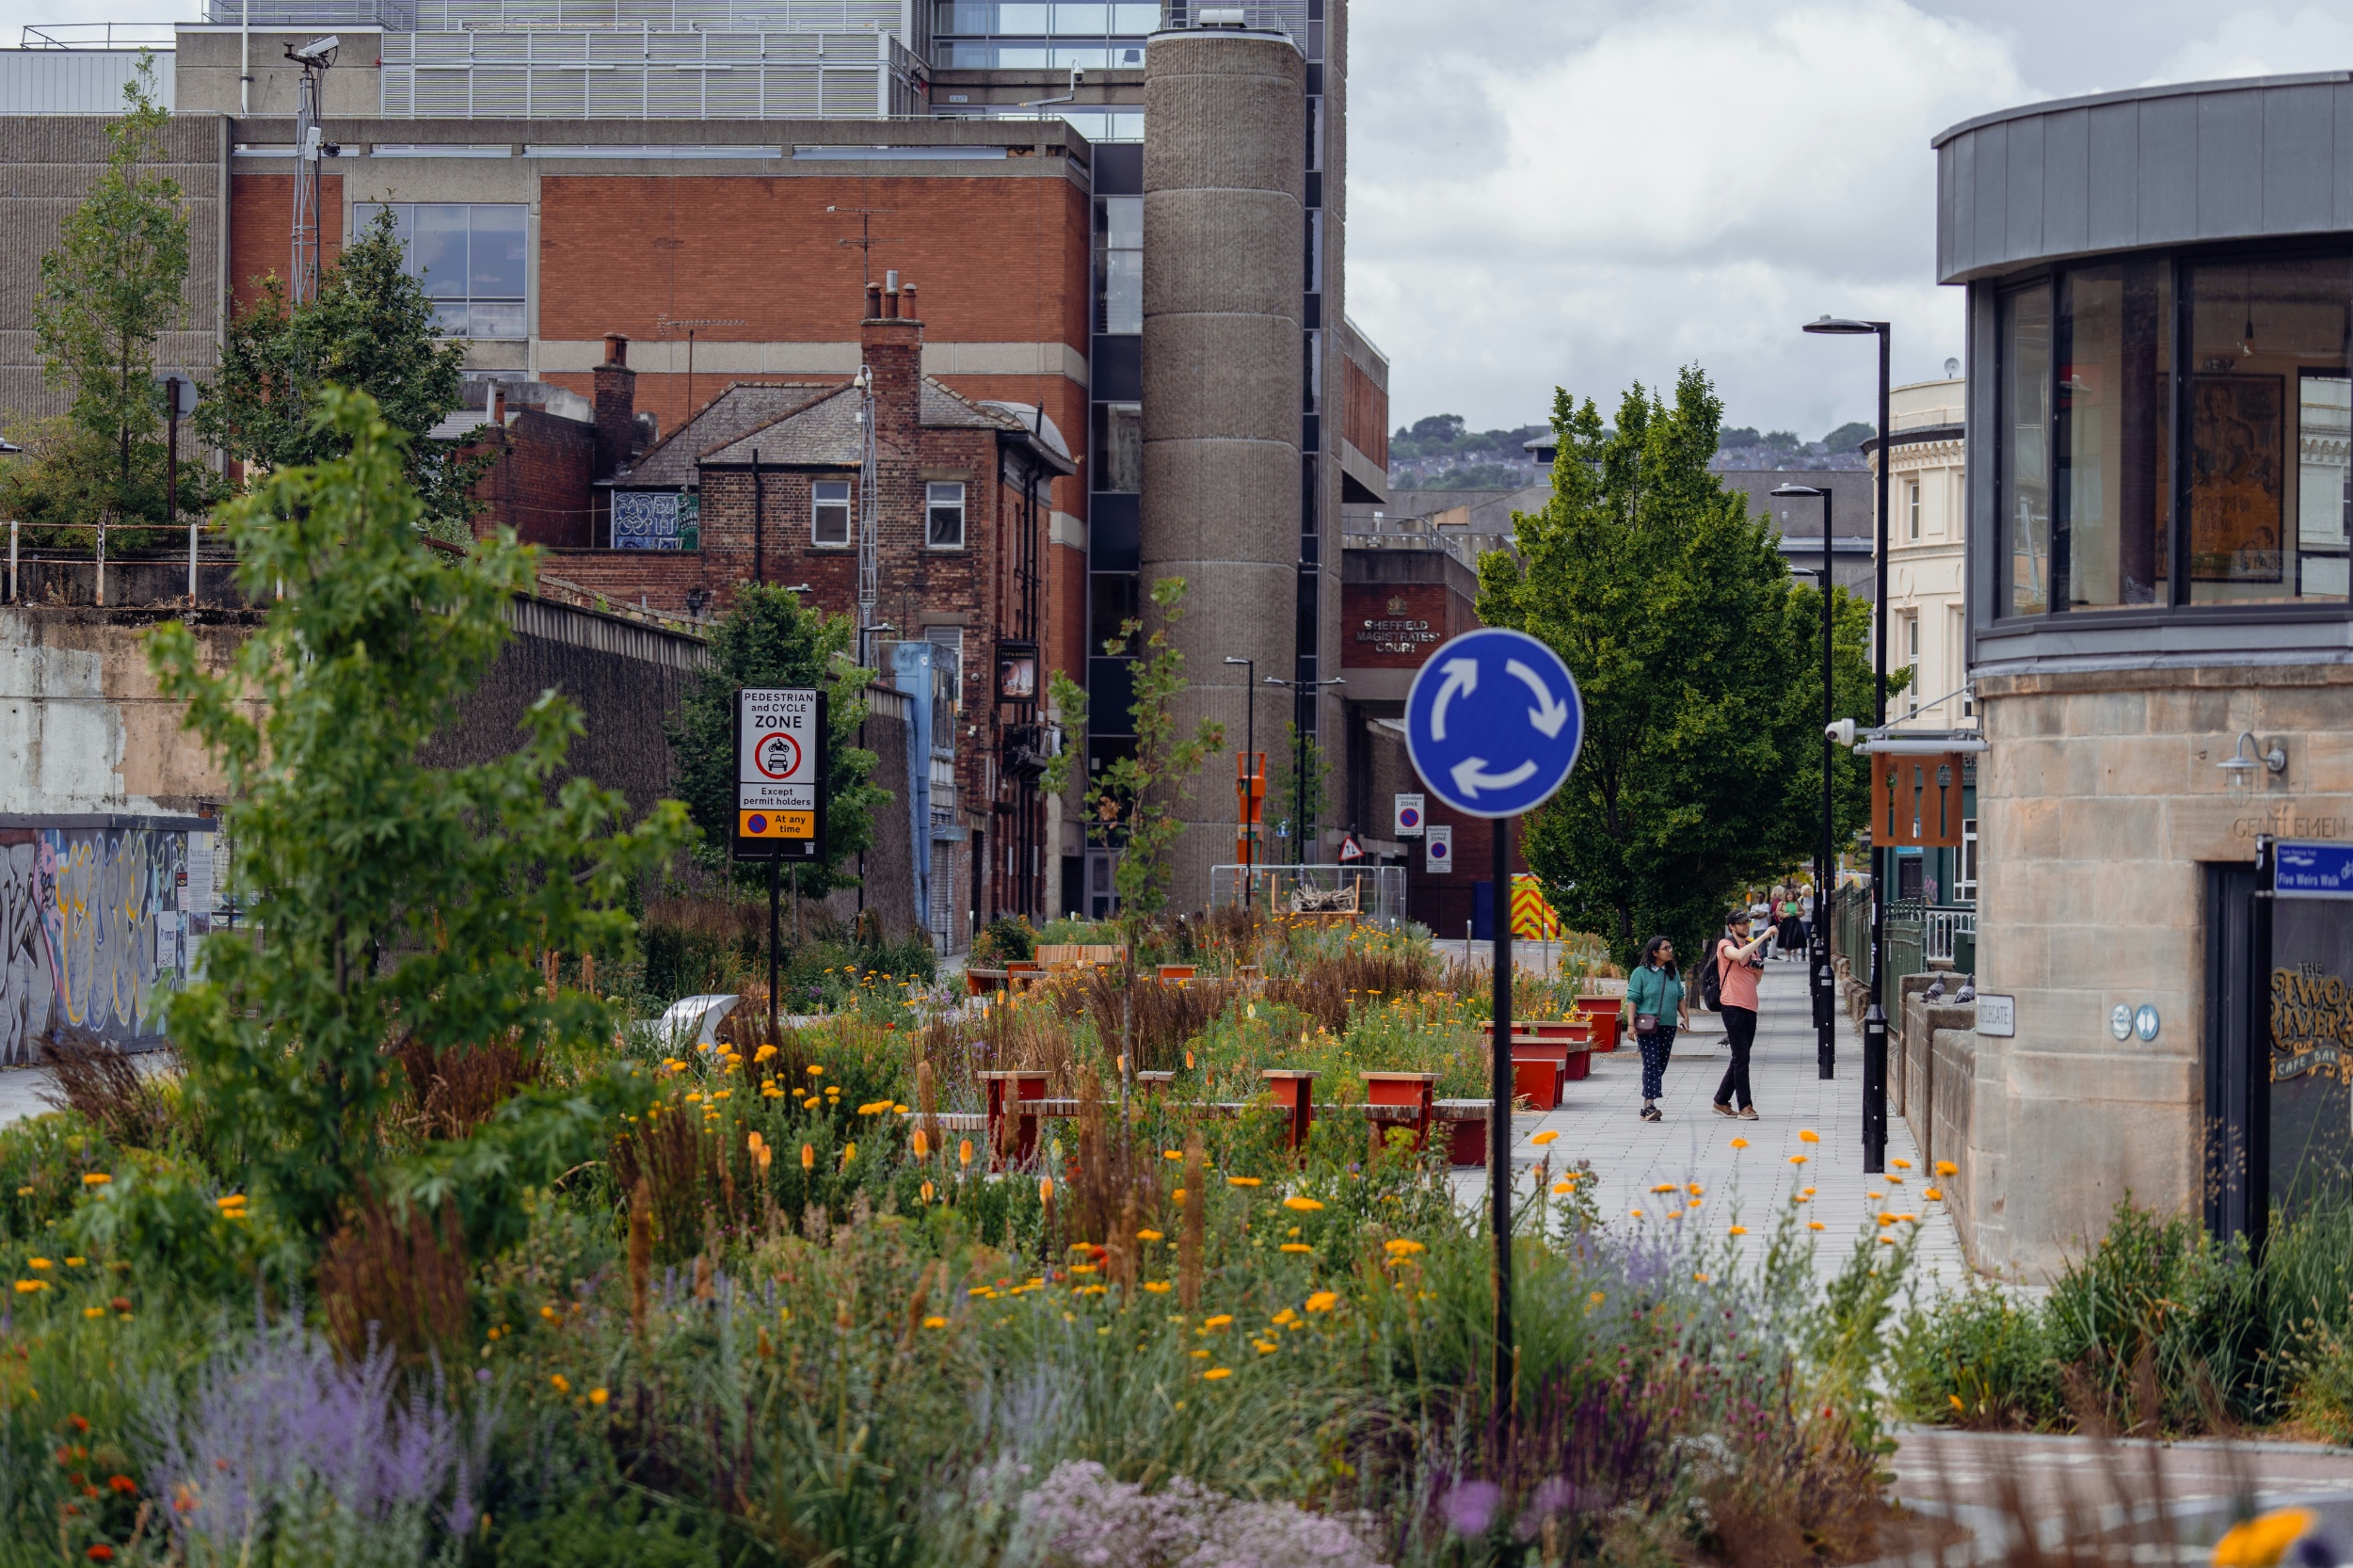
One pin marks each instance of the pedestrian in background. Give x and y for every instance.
(1656, 995)
(1737, 960)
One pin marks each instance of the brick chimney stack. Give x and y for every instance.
(892, 344)
(616, 407)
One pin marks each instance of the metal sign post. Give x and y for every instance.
(1493, 725)
(781, 765)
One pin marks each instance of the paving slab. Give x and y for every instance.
(1599, 1121)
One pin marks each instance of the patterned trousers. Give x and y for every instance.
(1656, 1048)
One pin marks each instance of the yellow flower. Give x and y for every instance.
(561, 1384)
(1150, 1236)
(95, 1178)
(25, 1191)
(1697, 1190)
(1737, 1230)
(1885, 1218)
(1954, 1400)
(1701, 1278)
(1887, 1240)
(1172, 1154)
(964, 1151)
(1158, 1287)
(815, 1070)
(1324, 1301)
(1807, 1135)
(1285, 1316)
(1947, 1168)
(1664, 1187)
(927, 1191)
(935, 1323)
(1224, 1320)
(1814, 1224)
(1797, 1160)
(1635, 1213)
(1216, 1372)
(1401, 1246)
(1931, 1194)
(26, 1287)
(75, 1263)
(1046, 1188)
(1565, 1187)
(1296, 1246)
(38, 1263)
(1739, 1143)
(1199, 1356)
(762, 1054)
(1305, 1205)
(1265, 1347)
(93, 1312)
(2263, 1541)
(1545, 1137)
(1596, 1298)
(1243, 1181)
(808, 1157)
(598, 1395)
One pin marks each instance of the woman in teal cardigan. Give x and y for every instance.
(1656, 992)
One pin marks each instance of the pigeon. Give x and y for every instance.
(1968, 992)
(1936, 992)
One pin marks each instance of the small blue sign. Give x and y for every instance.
(1494, 722)
(2311, 871)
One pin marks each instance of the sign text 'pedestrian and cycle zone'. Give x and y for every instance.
(1494, 722)
(779, 773)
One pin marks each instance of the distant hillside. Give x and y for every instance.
(1439, 453)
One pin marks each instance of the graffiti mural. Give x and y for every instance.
(97, 923)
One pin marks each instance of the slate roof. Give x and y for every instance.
(805, 424)
(745, 406)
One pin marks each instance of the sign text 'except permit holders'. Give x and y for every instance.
(779, 774)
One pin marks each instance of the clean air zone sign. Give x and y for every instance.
(780, 770)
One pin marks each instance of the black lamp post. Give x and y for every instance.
(1304, 691)
(1817, 938)
(1249, 774)
(1875, 1020)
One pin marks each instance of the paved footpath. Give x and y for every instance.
(1597, 1121)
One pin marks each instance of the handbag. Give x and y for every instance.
(1645, 1023)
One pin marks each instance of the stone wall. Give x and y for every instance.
(2098, 804)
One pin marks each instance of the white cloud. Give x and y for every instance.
(2259, 43)
(1652, 185)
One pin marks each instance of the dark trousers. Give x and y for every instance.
(1657, 1047)
(1740, 1033)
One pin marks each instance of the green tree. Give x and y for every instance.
(396, 903)
(108, 291)
(768, 639)
(1131, 801)
(1300, 757)
(1675, 610)
(370, 327)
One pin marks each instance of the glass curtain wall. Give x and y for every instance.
(2093, 400)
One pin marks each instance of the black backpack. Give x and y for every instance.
(1711, 982)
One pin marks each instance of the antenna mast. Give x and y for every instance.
(869, 514)
(310, 144)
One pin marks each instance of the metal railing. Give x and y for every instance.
(1378, 892)
(160, 36)
(1851, 930)
(1943, 924)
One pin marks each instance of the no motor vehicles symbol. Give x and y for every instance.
(778, 755)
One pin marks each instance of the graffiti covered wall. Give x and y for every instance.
(99, 917)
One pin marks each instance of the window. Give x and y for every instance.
(1966, 891)
(1118, 448)
(1119, 264)
(830, 512)
(471, 259)
(1911, 508)
(2023, 426)
(943, 515)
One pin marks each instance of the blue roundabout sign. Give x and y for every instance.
(1494, 722)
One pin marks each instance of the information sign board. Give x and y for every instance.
(779, 774)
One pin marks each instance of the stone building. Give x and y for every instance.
(2160, 338)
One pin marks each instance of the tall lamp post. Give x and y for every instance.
(1307, 689)
(1817, 940)
(1249, 765)
(1875, 1020)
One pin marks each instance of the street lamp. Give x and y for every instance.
(1875, 1020)
(1818, 939)
(1249, 765)
(1308, 688)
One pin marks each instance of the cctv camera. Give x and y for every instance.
(1077, 74)
(1842, 732)
(318, 52)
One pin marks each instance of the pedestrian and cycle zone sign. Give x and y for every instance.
(779, 773)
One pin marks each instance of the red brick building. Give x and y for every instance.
(771, 481)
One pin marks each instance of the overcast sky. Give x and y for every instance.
(1587, 193)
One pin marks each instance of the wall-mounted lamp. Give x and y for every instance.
(2239, 767)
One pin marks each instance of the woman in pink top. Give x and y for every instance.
(1737, 960)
